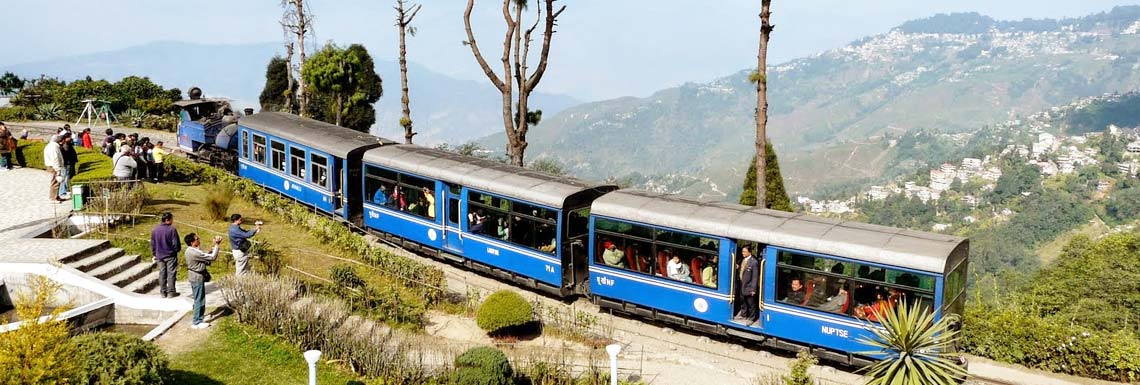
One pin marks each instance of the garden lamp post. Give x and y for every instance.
(613, 350)
(311, 357)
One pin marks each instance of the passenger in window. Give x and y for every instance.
(550, 247)
(708, 274)
(839, 302)
(429, 199)
(817, 291)
(612, 256)
(796, 294)
(873, 311)
(502, 230)
(678, 270)
(477, 220)
(864, 293)
(398, 199)
(381, 196)
(907, 279)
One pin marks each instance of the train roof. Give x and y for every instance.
(487, 175)
(335, 140)
(916, 250)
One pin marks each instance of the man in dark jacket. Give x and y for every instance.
(164, 245)
(70, 159)
(749, 286)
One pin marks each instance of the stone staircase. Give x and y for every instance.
(114, 266)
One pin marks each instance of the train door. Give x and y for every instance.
(574, 248)
(452, 233)
(747, 308)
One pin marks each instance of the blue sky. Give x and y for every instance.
(603, 49)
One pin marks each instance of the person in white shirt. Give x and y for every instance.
(677, 270)
(53, 163)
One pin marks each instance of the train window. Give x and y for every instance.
(277, 155)
(297, 162)
(245, 144)
(579, 223)
(955, 285)
(320, 169)
(663, 253)
(686, 239)
(259, 149)
(520, 223)
(379, 187)
(418, 196)
(624, 228)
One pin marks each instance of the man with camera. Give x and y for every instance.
(196, 263)
(240, 244)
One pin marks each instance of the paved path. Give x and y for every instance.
(24, 202)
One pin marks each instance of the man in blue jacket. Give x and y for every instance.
(239, 243)
(164, 246)
(749, 286)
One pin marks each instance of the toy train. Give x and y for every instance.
(657, 256)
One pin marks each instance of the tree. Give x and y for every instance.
(404, 18)
(345, 85)
(915, 349)
(516, 84)
(777, 198)
(760, 77)
(39, 352)
(278, 87)
(10, 83)
(298, 21)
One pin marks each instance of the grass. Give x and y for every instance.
(187, 202)
(92, 165)
(238, 354)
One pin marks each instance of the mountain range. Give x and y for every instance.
(833, 114)
(444, 109)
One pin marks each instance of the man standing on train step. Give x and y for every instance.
(240, 244)
(749, 286)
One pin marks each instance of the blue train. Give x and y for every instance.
(656, 256)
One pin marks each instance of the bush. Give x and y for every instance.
(344, 275)
(15, 113)
(39, 351)
(119, 359)
(92, 166)
(503, 309)
(218, 203)
(483, 365)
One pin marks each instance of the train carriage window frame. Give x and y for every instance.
(297, 162)
(806, 267)
(514, 221)
(277, 155)
(260, 150)
(409, 185)
(647, 250)
(245, 154)
(319, 169)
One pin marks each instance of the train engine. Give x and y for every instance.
(207, 130)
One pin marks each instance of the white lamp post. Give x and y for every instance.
(311, 357)
(613, 350)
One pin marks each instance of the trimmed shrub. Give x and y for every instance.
(218, 203)
(344, 275)
(483, 365)
(92, 166)
(119, 359)
(503, 309)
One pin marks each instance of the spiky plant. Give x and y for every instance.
(914, 349)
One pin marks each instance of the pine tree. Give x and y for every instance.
(777, 197)
(276, 86)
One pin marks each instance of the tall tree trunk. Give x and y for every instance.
(762, 104)
(339, 108)
(302, 30)
(403, 20)
(289, 96)
(515, 121)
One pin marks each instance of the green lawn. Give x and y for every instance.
(92, 164)
(238, 354)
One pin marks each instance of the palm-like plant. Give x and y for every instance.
(915, 349)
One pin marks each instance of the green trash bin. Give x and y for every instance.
(77, 197)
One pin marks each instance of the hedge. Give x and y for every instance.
(504, 309)
(119, 359)
(427, 281)
(93, 165)
(483, 365)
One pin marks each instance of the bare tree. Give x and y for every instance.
(516, 117)
(298, 21)
(760, 77)
(404, 16)
(290, 99)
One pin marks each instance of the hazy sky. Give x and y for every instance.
(603, 49)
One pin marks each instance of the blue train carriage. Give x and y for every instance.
(314, 162)
(207, 131)
(678, 260)
(517, 224)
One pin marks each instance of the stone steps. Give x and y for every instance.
(114, 266)
(148, 284)
(128, 276)
(96, 260)
(110, 267)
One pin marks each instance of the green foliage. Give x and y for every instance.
(1123, 205)
(799, 374)
(547, 165)
(345, 85)
(777, 197)
(48, 111)
(915, 349)
(39, 352)
(16, 113)
(344, 275)
(470, 148)
(503, 309)
(276, 89)
(1093, 284)
(900, 211)
(119, 359)
(1016, 178)
(92, 165)
(132, 117)
(1097, 116)
(57, 99)
(218, 203)
(10, 83)
(483, 365)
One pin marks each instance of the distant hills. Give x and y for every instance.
(444, 109)
(834, 113)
